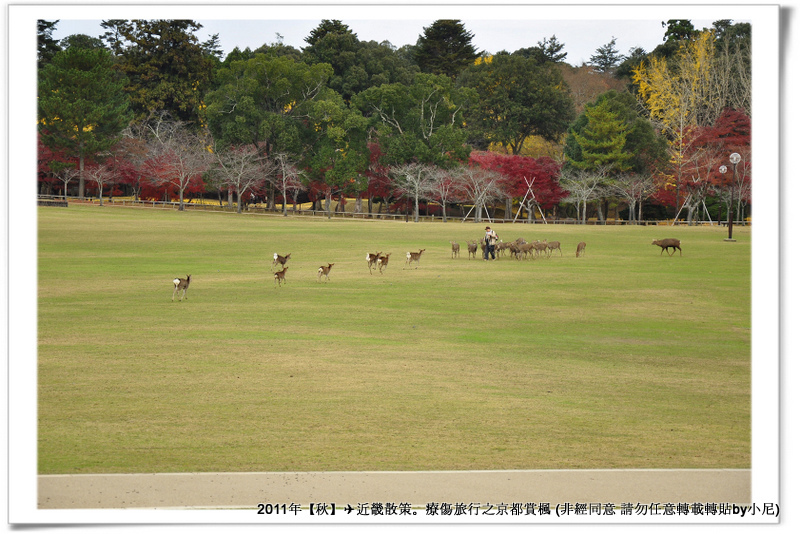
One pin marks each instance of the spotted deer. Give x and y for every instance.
(181, 284)
(581, 249)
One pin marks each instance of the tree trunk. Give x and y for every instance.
(81, 182)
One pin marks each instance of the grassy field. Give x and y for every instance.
(621, 358)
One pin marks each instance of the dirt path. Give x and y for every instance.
(246, 490)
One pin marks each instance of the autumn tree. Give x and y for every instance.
(479, 186)
(180, 155)
(634, 188)
(82, 106)
(414, 181)
(533, 181)
(583, 186)
(287, 178)
(102, 174)
(681, 95)
(240, 168)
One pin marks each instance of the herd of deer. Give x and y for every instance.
(519, 249)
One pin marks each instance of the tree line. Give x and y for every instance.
(150, 111)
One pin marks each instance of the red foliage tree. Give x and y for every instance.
(520, 171)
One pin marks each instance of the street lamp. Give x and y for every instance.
(735, 158)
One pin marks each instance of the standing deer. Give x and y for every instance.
(472, 248)
(581, 249)
(413, 257)
(456, 249)
(553, 245)
(540, 247)
(667, 243)
(280, 276)
(372, 259)
(278, 259)
(383, 261)
(181, 284)
(324, 270)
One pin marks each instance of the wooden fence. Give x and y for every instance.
(45, 200)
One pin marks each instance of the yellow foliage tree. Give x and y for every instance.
(681, 94)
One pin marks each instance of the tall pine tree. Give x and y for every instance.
(445, 48)
(82, 105)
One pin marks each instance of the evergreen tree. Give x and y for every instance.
(607, 57)
(168, 69)
(445, 48)
(602, 141)
(82, 105)
(47, 47)
(517, 98)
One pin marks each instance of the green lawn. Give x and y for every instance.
(621, 358)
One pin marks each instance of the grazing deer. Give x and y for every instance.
(667, 243)
(372, 259)
(324, 270)
(456, 249)
(278, 259)
(472, 248)
(553, 245)
(383, 261)
(280, 276)
(181, 284)
(413, 256)
(581, 249)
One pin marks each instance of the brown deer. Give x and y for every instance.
(668, 243)
(581, 249)
(372, 259)
(472, 248)
(383, 261)
(413, 257)
(456, 249)
(181, 284)
(278, 259)
(552, 246)
(540, 247)
(324, 270)
(280, 276)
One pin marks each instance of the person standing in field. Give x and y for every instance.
(490, 240)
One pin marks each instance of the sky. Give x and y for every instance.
(504, 30)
